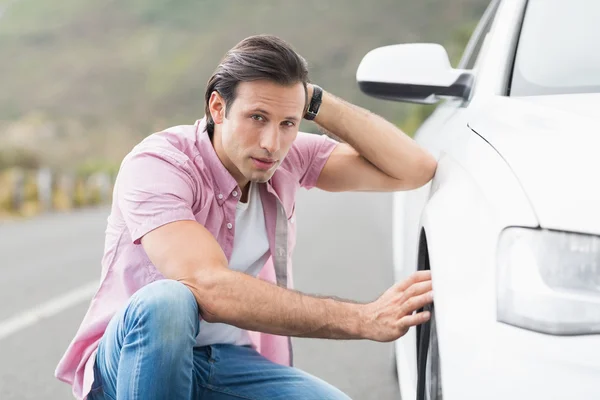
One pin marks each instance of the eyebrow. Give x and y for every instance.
(260, 110)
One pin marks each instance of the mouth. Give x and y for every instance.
(263, 163)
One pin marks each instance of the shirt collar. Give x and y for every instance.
(223, 181)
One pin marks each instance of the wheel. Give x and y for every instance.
(394, 362)
(433, 372)
(429, 381)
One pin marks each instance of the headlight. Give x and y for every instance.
(549, 281)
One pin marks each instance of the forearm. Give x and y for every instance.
(376, 139)
(249, 303)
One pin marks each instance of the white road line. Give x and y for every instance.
(46, 310)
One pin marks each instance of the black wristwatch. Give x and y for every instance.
(315, 103)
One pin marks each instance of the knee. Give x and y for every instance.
(168, 306)
(311, 387)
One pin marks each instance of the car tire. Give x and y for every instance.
(394, 362)
(429, 379)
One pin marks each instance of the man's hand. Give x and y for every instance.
(390, 316)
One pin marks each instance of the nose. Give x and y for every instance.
(270, 140)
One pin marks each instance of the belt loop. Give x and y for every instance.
(212, 350)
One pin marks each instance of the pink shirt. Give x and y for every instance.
(176, 175)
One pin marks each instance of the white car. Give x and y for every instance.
(510, 225)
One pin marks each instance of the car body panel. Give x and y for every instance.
(466, 209)
(551, 143)
(486, 181)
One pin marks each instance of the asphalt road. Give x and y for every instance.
(344, 249)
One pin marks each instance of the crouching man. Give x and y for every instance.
(196, 299)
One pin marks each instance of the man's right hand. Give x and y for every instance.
(392, 314)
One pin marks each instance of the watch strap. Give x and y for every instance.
(315, 103)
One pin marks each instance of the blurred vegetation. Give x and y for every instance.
(82, 81)
(25, 193)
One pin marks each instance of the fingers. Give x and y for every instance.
(417, 277)
(417, 289)
(414, 303)
(415, 319)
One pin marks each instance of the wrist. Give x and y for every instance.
(309, 92)
(361, 325)
(315, 98)
(343, 320)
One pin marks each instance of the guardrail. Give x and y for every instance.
(27, 192)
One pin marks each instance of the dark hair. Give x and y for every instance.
(254, 58)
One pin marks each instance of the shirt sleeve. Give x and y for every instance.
(153, 190)
(309, 153)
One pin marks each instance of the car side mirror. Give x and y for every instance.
(414, 73)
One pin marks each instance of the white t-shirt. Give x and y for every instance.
(250, 253)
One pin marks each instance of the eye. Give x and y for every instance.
(288, 124)
(257, 117)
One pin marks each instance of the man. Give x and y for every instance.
(195, 300)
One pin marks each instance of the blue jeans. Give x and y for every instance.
(147, 352)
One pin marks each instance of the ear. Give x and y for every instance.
(216, 106)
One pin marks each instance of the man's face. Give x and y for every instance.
(259, 129)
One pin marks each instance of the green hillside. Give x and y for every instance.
(84, 80)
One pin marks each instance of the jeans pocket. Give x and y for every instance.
(204, 365)
(96, 392)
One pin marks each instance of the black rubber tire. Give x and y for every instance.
(422, 349)
(429, 381)
(394, 363)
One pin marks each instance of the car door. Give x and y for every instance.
(435, 134)
(438, 132)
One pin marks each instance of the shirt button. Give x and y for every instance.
(229, 226)
(234, 193)
(220, 196)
